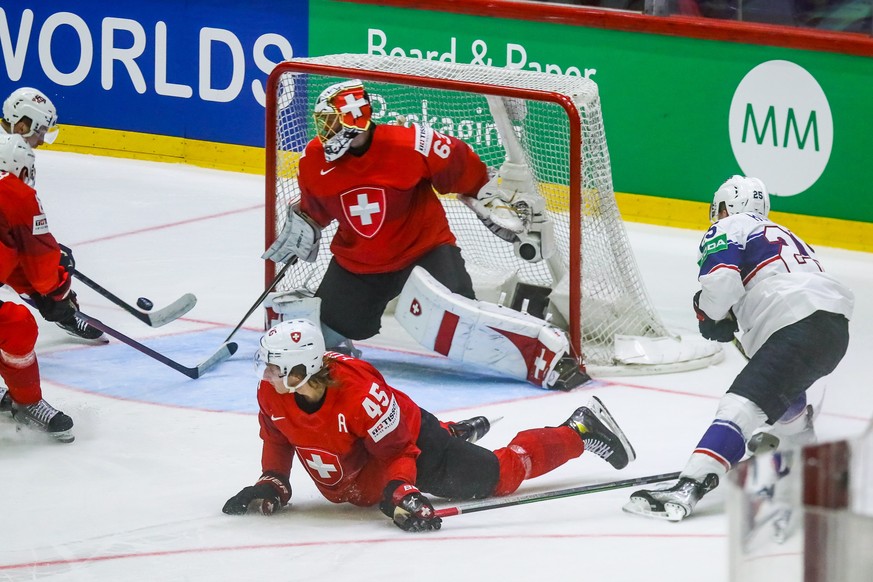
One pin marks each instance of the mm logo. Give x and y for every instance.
(780, 126)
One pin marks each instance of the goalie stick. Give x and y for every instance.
(263, 296)
(224, 352)
(171, 312)
(559, 494)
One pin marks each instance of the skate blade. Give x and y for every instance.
(600, 410)
(99, 341)
(641, 507)
(65, 436)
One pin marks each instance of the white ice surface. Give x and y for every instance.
(138, 496)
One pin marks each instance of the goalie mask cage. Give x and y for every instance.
(557, 122)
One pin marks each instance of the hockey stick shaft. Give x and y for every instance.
(740, 348)
(155, 319)
(559, 494)
(263, 296)
(224, 352)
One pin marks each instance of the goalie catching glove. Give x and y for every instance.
(722, 330)
(507, 209)
(299, 238)
(410, 510)
(268, 495)
(494, 208)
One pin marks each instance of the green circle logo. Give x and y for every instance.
(781, 128)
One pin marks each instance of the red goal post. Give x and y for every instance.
(556, 123)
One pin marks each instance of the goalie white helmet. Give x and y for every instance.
(342, 113)
(16, 157)
(741, 194)
(30, 103)
(292, 343)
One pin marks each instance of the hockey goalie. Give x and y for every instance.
(380, 183)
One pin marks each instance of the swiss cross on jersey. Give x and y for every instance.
(364, 209)
(324, 467)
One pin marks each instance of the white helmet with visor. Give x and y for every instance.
(289, 344)
(38, 108)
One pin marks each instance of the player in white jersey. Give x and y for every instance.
(759, 277)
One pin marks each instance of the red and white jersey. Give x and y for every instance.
(29, 253)
(361, 437)
(384, 200)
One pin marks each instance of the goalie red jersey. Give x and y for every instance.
(385, 204)
(362, 436)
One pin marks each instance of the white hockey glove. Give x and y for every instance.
(511, 208)
(495, 209)
(537, 241)
(299, 238)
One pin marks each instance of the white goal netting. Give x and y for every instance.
(596, 286)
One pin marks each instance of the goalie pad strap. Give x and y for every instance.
(502, 339)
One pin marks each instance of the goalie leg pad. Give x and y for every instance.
(295, 304)
(516, 344)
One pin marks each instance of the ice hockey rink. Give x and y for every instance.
(138, 495)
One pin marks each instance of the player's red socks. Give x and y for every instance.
(533, 453)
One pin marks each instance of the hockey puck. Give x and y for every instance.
(144, 303)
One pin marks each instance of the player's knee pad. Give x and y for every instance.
(512, 471)
(513, 343)
(741, 412)
(796, 427)
(18, 332)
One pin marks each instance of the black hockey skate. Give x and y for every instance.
(566, 375)
(78, 327)
(470, 430)
(5, 400)
(43, 416)
(601, 434)
(673, 503)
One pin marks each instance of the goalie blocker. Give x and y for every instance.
(511, 342)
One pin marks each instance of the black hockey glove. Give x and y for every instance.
(722, 330)
(59, 304)
(410, 510)
(270, 493)
(68, 262)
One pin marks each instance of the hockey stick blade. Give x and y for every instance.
(224, 352)
(163, 316)
(487, 504)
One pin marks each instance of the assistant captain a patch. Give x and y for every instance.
(364, 209)
(40, 224)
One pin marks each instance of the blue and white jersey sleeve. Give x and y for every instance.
(767, 275)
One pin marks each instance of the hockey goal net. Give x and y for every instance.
(597, 292)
